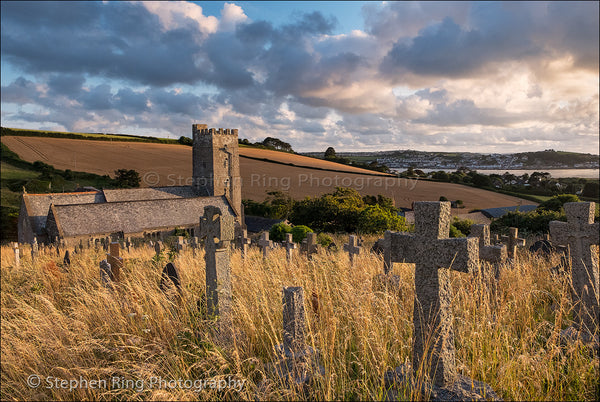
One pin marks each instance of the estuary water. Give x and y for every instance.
(556, 173)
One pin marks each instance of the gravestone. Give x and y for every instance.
(265, 244)
(67, 259)
(309, 245)
(17, 256)
(115, 261)
(290, 246)
(580, 233)
(487, 252)
(106, 275)
(243, 242)
(352, 248)
(434, 255)
(542, 247)
(512, 241)
(217, 230)
(107, 244)
(158, 247)
(180, 244)
(128, 244)
(170, 275)
(34, 249)
(298, 361)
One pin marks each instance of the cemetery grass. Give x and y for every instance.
(61, 322)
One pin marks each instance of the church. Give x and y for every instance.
(150, 213)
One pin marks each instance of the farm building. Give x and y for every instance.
(142, 212)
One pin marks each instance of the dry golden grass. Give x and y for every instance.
(63, 323)
(171, 165)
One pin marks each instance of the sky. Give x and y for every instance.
(358, 76)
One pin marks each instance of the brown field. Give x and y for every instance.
(171, 165)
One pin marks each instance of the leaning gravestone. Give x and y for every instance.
(217, 230)
(106, 275)
(352, 248)
(298, 361)
(265, 244)
(290, 246)
(115, 261)
(434, 255)
(170, 275)
(67, 259)
(580, 233)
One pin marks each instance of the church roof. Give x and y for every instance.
(131, 216)
(149, 193)
(37, 205)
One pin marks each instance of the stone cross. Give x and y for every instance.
(217, 230)
(290, 246)
(309, 245)
(487, 252)
(580, 233)
(294, 322)
(512, 241)
(67, 259)
(180, 244)
(194, 245)
(106, 275)
(265, 244)
(352, 248)
(115, 261)
(170, 274)
(434, 255)
(243, 242)
(16, 251)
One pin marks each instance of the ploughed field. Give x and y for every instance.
(171, 165)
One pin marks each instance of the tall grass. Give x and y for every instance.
(61, 322)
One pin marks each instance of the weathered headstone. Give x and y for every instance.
(352, 248)
(34, 249)
(299, 362)
(158, 247)
(487, 251)
(289, 246)
(434, 255)
(243, 242)
(170, 275)
(115, 261)
(17, 255)
(128, 244)
(180, 246)
(106, 275)
(217, 230)
(580, 233)
(67, 259)
(309, 245)
(265, 244)
(512, 241)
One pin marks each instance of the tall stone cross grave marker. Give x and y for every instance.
(243, 242)
(580, 233)
(309, 245)
(512, 241)
(434, 255)
(217, 230)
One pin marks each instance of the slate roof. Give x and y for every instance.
(37, 205)
(132, 216)
(149, 193)
(498, 212)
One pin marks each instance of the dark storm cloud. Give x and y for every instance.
(21, 91)
(66, 84)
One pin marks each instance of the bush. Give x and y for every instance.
(442, 198)
(556, 203)
(374, 219)
(454, 232)
(324, 239)
(299, 233)
(463, 225)
(278, 231)
(529, 222)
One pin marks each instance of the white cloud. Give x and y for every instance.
(231, 15)
(175, 14)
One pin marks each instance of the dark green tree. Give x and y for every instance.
(330, 153)
(127, 178)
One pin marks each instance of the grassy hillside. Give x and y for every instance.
(61, 323)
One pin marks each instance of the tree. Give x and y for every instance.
(330, 153)
(591, 189)
(185, 140)
(127, 178)
(277, 144)
(556, 203)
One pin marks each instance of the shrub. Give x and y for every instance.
(463, 225)
(278, 231)
(299, 233)
(374, 219)
(556, 203)
(454, 232)
(324, 239)
(529, 222)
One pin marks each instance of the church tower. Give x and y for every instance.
(216, 164)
